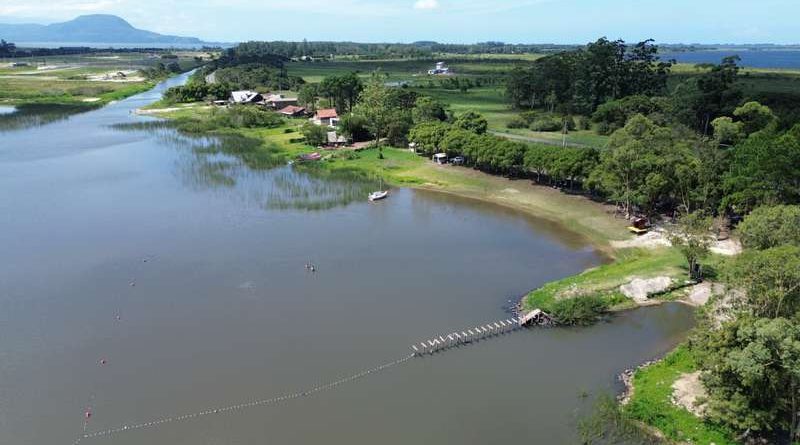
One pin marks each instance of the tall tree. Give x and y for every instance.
(638, 166)
(768, 227)
(770, 280)
(375, 105)
(692, 236)
(428, 109)
(472, 121)
(309, 95)
(752, 375)
(764, 170)
(755, 117)
(710, 96)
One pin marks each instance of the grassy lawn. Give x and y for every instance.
(576, 137)
(652, 403)
(604, 281)
(489, 101)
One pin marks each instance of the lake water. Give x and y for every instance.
(147, 275)
(783, 59)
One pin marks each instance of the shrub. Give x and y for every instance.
(529, 116)
(472, 121)
(517, 122)
(578, 311)
(315, 134)
(246, 117)
(547, 124)
(768, 227)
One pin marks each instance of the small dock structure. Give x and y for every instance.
(481, 332)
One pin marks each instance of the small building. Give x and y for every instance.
(245, 97)
(336, 140)
(440, 158)
(279, 101)
(441, 68)
(293, 111)
(326, 116)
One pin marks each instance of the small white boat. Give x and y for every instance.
(380, 194)
(376, 196)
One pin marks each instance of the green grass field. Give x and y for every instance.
(652, 404)
(411, 70)
(80, 79)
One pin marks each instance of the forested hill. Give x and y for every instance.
(96, 28)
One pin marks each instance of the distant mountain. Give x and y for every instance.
(95, 28)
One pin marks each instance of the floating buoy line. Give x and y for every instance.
(241, 406)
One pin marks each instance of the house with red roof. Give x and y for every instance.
(293, 111)
(326, 116)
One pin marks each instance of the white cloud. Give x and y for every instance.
(426, 4)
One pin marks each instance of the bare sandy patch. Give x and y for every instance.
(687, 391)
(650, 240)
(116, 76)
(728, 247)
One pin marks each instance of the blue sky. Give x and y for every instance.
(527, 21)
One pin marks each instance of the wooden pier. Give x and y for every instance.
(472, 335)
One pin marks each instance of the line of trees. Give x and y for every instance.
(611, 81)
(579, 81)
(421, 49)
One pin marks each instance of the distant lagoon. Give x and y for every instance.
(781, 59)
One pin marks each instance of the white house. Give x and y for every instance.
(441, 68)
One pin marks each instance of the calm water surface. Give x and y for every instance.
(783, 59)
(222, 310)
